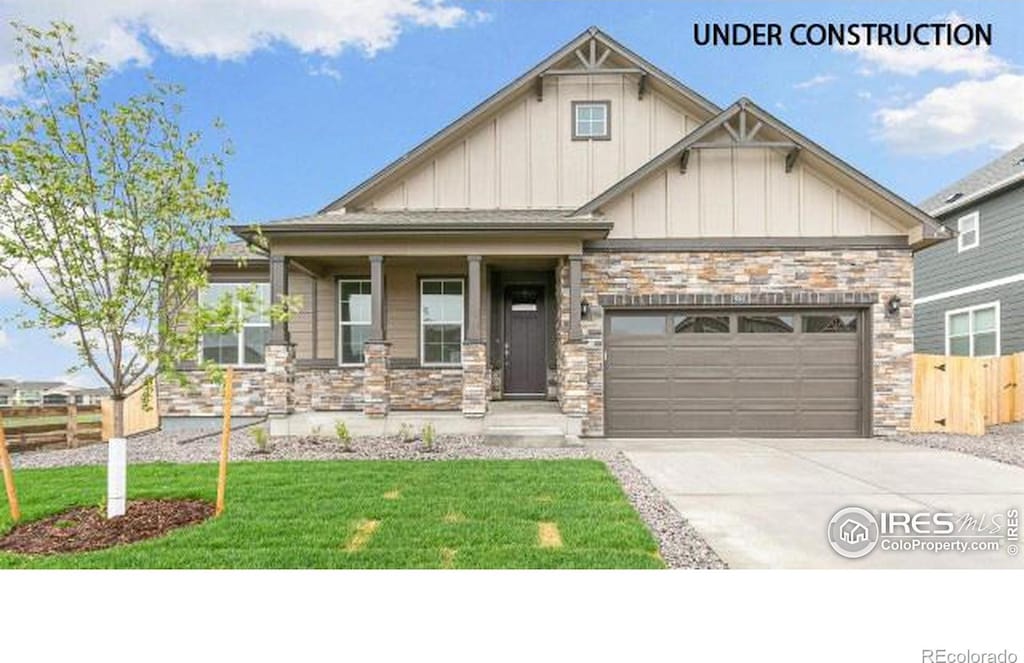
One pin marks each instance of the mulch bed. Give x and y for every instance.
(88, 528)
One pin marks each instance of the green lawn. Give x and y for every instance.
(462, 514)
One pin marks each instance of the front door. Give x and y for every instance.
(525, 347)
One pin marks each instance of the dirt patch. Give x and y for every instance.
(548, 535)
(364, 532)
(454, 517)
(87, 528)
(393, 494)
(448, 558)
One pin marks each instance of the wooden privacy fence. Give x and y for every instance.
(966, 394)
(62, 426)
(137, 418)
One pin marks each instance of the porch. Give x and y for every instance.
(446, 323)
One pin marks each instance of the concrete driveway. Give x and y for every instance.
(767, 503)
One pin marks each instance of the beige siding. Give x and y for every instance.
(744, 193)
(301, 324)
(523, 156)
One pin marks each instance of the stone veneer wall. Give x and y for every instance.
(329, 389)
(884, 272)
(201, 398)
(476, 383)
(426, 388)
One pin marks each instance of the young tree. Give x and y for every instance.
(109, 214)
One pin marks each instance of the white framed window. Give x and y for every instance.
(973, 331)
(442, 318)
(246, 347)
(591, 120)
(969, 233)
(355, 301)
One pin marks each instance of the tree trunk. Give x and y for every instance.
(118, 416)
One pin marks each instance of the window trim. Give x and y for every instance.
(350, 279)
(976, 218)
(607, 135)
(241, 335)
(419, 316)
(971, 310)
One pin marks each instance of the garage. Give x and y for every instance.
(737, 373)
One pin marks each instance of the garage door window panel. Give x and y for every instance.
(638, 325)
(701, 324)
(766, 324)
(838, 323)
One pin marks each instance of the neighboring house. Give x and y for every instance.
(16, 393)
(600, 235)
(969, 293)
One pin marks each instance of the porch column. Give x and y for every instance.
(377, 298)
(473, 322)
(376, 350)
(575, 288)
(474, 348)
(278, 286)
(279, 353)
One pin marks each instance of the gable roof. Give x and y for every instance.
(995, 176)
(932, 228)
(510, 90)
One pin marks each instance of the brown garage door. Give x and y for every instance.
(735, 373)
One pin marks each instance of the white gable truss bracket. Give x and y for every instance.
(592, 63)
(742, 136)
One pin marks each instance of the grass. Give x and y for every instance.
(452, 514)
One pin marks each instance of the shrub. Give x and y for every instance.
(427, 435)
(405, 433)
(344, 436)
(260, 439)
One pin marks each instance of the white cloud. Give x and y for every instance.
(325, 69)
(5, 340)
(118, 31)
(913, 60)
(962, 116)
(80, 380)
(814, 81)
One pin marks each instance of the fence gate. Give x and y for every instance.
(966, 394)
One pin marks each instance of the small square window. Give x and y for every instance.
(969, 233)
(973, 332)
(591, 120)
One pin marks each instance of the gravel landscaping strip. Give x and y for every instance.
(680, 545)
(1000, 443)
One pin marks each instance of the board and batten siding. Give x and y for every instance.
(999, 254)
(743, 192)
(930, 319)
(523, 156)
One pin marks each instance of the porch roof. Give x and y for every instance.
(432, 221)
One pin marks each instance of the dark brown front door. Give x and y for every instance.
(525, 366)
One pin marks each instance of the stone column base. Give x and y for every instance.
(279, 365)
(376, 385)
(475, 381)
(572, 379)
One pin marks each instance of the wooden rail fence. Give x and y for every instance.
(967, 394)
(63, 426)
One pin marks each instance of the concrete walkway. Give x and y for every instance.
(767, 503)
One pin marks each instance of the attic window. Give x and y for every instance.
(591, 120)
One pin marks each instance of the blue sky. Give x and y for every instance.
(319, 95)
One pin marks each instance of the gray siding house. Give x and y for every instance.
(969, 292)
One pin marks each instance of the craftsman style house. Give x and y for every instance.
(969, 293)
(598, 237)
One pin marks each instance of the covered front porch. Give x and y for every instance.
(394, 326)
